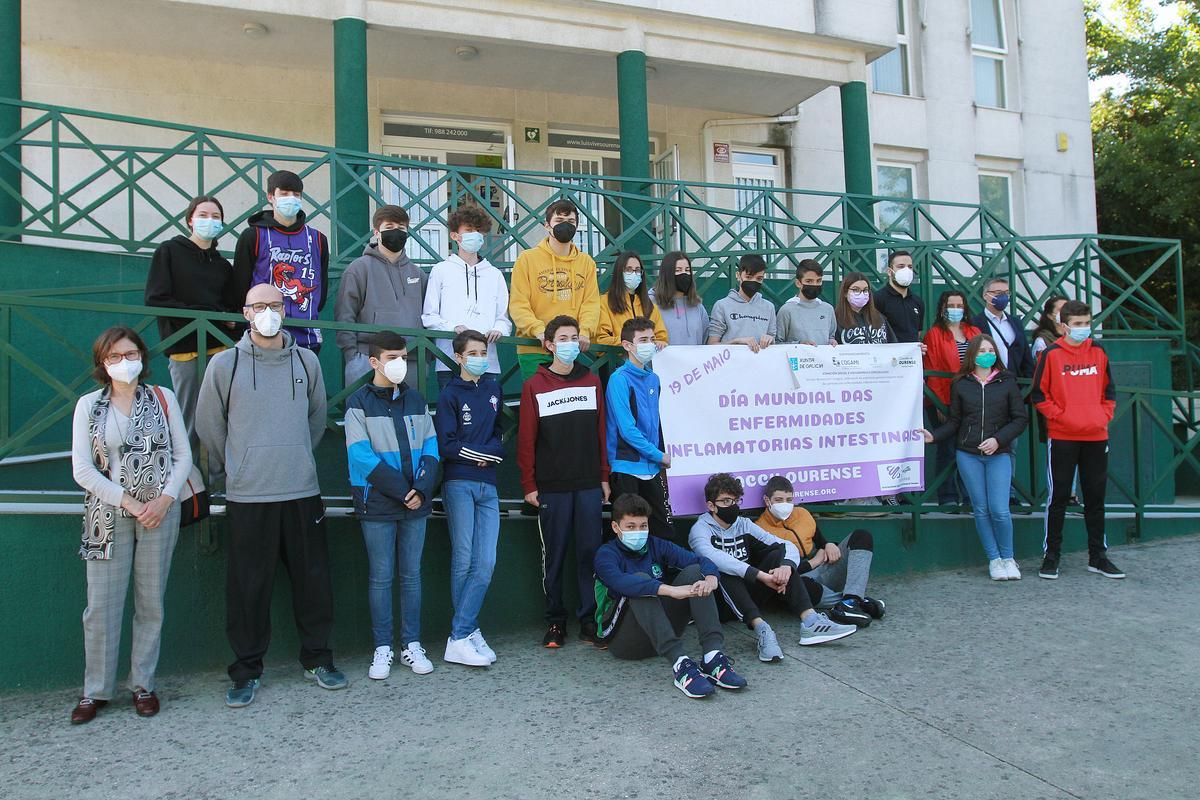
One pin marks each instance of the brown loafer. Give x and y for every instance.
(85, 710)
(145, 703)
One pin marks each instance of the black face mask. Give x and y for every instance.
(750, 288)
(810, 292)
(564, 231)
(683, 282)
(394, 239)
(728, 514)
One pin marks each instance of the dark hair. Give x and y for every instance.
(1073, 308)
(777, 483)
(634, 326)
(893, 255)
(386, 340)
(618, 295)
(721, 483)
(562, 205)
(389, 213)
(104, 343)
(629, 505)
(751, 264)
(472, 215)
(1047, 328)
(463, 339)
(844, 313)
(561, 321)
(664, 287)
(809, 265)
(283, 179)
(968, 361)
(943, 301)
(196, 201)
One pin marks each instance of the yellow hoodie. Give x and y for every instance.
(543, 285)
(611, 322)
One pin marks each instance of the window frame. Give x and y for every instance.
(903, 50)
(1008, 179)
(912, 183)
(995, 54)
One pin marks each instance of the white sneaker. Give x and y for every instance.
(381, 665)
(414, 657)
(1012, 570)
(481, 646)
(462, 651)
(997, 569)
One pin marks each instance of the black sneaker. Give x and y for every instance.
(1049, 568)
(556, 636)
(1105, 567)
(587, 633)
(874, 607)
(850, 611)
(890, 500)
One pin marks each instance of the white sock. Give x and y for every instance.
(762, 623)
(710, 655)
(678, 661)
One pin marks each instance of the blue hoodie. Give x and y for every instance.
(468, 429)
(634, 436)
(391, 448)
(617, 569)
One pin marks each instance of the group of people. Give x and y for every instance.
(260, 409)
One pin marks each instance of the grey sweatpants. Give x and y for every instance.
(849, 575)
(652, 625)
(147, 554)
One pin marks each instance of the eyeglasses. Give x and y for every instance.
(128, 355)
(258, 308)
(725, 502)
(634, 270)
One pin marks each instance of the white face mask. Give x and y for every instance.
(781, 511)
(903, 276)
(396, 370)
(268, 322)
(125, 371)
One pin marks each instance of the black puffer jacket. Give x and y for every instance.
(980, 411)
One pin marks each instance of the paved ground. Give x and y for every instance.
(1084, 687)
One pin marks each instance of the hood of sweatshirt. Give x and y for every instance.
(737, 296)
(183, 247)
(373, 252)
(266, 219)
(577, 371)
(261, 357)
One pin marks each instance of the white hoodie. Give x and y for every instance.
(473, 296)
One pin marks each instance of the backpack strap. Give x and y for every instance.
(229, 388)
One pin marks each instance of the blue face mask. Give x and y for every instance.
(207, 227)
(471, 242)
(476, 365)
(566, 352)
(954, 314)
(635, 540)
(287, 205)
(645, 351)
(1000, 302)
(632, 280)
(1079, 334)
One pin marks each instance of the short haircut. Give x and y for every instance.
(470, 215)
(466, 337)
(721, 483)
(778, 483)
(892, 256)
(386, 340)
(633, 326)
(561, 321)
(283, 179)
(104, 343)
(562, 205)
(197, 201)
(809, 265)
(389, 213)
(1073, 308)
(629, 505)
(752, 264)
(987, 287)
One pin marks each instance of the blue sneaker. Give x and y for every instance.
(719, 670)
(241, 694)
(327, 677)
(691, 681)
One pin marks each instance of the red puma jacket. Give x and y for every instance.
(1074, 391)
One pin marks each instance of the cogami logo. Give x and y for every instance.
(898, 475)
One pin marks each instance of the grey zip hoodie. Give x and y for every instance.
(261, 413)
(803, 320)
(374, 291)
(733, 317)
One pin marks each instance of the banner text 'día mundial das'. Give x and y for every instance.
(840, 422)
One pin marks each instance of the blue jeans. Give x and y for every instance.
(473, 513)
(988, 479)
(394, 547)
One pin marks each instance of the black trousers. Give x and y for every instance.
(650, 625)
(1062, 458)
(654, 492)
(746, 596)
(260, 536)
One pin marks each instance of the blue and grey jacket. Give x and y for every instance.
(468, 429)
(634, 438)
(392, 448)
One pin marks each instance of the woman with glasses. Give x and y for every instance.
(130, 453)
(628, 296)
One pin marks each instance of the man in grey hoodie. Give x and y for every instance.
(380, 287)
(745, 316)
(261, 412)
(806, 318)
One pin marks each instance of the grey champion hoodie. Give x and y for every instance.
(261, 413)
(733, 317)
(374, 291)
